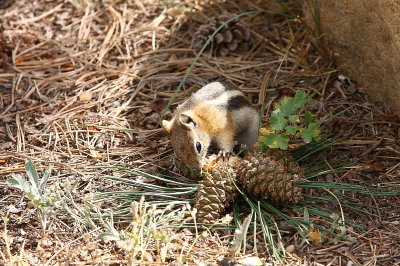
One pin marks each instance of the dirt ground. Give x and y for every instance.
(83, 84)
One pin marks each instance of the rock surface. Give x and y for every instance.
(365, 36)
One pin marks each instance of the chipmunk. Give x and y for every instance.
(217, 113)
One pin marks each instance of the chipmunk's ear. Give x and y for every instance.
(187, 120)
(167, 125)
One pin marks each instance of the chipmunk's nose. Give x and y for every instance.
(192, 172)
(186, 169)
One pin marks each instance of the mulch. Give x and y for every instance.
(85, 83)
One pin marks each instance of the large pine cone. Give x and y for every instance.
(234, 36)
(269, 177)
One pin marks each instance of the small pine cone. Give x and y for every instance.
(234, 36)
(271, 177)
(215, 192)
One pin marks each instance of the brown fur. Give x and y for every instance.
(217, 114)
(213, 121)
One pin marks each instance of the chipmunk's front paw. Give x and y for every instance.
(225, 155)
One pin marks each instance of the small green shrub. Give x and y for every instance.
(288, 122)
(34, 189)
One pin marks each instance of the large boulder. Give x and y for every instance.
(365, 36)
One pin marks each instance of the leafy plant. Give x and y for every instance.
(333, 234)
(34, 190)
(288, 122)
(152, 226)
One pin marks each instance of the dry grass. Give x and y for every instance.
(83, 83)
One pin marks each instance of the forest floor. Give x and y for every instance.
(84, 83)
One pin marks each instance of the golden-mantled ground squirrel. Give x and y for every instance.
(218, 113)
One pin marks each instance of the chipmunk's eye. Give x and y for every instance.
(198, 147)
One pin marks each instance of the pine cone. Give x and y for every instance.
(234, 36)
(264, 176)
(215, 192)
(271, 175)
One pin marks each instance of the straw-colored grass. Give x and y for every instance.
(84, 83)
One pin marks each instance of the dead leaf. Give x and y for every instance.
(316, 238)
(85, 96)
(378, 166)
(35, 142)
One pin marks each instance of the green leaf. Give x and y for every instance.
(293, 118)
(286, 106)
(306, 135)
(277, 121)
(277, 141)
(37, 200)
(310, 132)
(33, 197)
(301, 96)
(309, 118)
(291, 130)
(32, 175)
(45, 178)
(289, 106)
(18, 181)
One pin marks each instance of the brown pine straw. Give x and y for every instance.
(130, 56)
